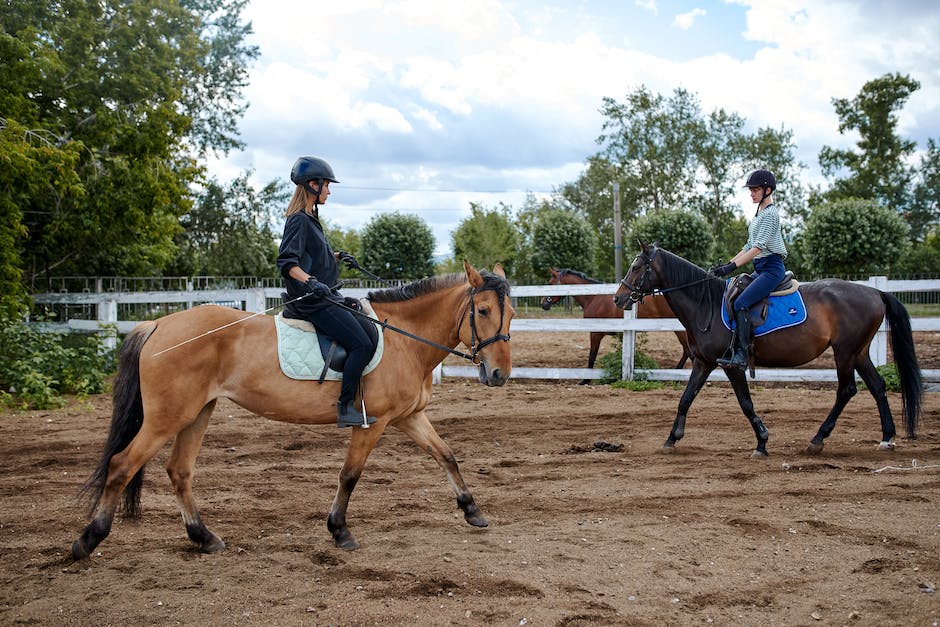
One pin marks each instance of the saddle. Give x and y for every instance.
(334, 354)
(759, 311)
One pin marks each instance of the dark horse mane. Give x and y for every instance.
(432, 284)
(577, 273)
(682, 272)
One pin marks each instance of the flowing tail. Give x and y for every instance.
(126, 418)
(902, 344)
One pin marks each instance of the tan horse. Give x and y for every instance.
(167, 387)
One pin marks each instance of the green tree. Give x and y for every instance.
(854, 236)
(591, 196)
(346, 240)
(561, 239)
(877, 169)
(398, 246)
(487, 236)
(924, 212)
(680, 232)
(229, 230)
(132, 94)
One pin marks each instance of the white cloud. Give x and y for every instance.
(684, 21)
(649, 5)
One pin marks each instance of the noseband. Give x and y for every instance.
(477, 345)
(637, 293)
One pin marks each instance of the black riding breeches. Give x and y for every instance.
(346, 329)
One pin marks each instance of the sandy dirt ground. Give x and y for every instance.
(590, 524)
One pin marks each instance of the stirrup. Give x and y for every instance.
(350, 416)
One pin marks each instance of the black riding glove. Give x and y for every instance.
(316, 289)
(348, 259)
(724, 269)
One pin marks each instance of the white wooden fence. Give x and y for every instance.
(254, 299)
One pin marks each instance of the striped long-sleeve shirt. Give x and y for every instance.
(764, 232)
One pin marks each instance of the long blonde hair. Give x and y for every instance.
(298, 203)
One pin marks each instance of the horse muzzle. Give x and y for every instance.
(493, 377)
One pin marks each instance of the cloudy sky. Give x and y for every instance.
(424, 106)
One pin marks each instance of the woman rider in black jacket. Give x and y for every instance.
(310, 268)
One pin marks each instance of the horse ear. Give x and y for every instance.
(554, 271)
(498, 269)
(643, 247)
(473, 276)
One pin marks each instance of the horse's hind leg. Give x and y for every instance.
(121, 470)
(844, 394)
(419, 428)
(180, 467)
(592, 355)
(876, 385)
(743, 393)
(360, 445)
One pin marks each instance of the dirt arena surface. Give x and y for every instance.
(589, 523)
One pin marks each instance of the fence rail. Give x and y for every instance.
(258, 299)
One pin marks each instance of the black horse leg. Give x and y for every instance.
(743, 393)
(697, 379)
(844, 393)
(876, 385)
(360, 445)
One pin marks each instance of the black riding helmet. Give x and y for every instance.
(311, 169)
(307, 169)
(762, 178)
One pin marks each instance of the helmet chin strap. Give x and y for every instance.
(316, 194)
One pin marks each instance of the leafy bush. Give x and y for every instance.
(36, 368)
(612, 363)
(680, 232)
(888, 372)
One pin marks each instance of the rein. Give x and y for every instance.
(475, 347)
(637, 293)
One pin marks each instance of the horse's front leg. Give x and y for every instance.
(419, 428)
(742, 391)
(360, 445)
(697, 379)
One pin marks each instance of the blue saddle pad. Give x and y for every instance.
(298, 349)
(783, 311)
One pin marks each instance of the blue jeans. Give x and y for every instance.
(768, 272)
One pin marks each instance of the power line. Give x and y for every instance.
(448, 191)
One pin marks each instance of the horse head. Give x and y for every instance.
(488, 315)
(638, 281)
(554, 279)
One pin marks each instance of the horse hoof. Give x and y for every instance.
(347, 545)
(759, 455)
(79, 551)
(814, 449)
(667, 450)
(213, 546)
(886, 446)
(477, 520)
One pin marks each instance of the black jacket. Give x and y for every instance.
(304, 244)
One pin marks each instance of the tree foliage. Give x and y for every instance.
(561, 239)
(125, 96)
(487, 237)
(877, 169)
(685, 234)
(854, 236)
(398, 246)
(229, 230)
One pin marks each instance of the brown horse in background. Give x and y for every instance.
(174, 369)
(603, 306)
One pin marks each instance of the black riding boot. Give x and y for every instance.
(348, 415)
(742, 340)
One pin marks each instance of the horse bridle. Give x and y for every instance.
(477, 346)
(637, 294)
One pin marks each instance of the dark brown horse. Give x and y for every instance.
(601, 306)
(168, 383)
(841, 314)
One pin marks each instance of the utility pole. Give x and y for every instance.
(618, 243)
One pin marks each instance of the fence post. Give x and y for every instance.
(108, 314)
(628, 346)
(254, 300)
(878, 351)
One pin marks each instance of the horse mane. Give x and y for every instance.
(577, 273)
(433, 284)
(680, 271)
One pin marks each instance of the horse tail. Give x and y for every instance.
(127, 415)
(902, 344)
